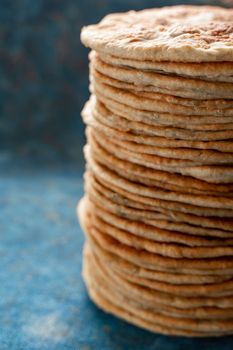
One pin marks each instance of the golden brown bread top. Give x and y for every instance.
(177, 33)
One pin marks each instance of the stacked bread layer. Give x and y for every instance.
(158, 205)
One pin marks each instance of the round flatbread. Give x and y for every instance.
(176, 34)
(212, 71)
(158, 83)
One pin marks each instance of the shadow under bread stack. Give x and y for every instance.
(158, 205)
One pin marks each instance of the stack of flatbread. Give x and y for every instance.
(158, 208)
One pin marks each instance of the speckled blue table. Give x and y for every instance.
(43, 302)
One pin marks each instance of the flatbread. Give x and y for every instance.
(154, 140)
(149, 295)
(138, 194)
(171, 85)
(197, 156)
(121, 107)
(177, 34)
(161, 220)
(158, 241)
(128, 122)
(223, 265)
(132, 143)
(105, 272)
(210, 173)
(152, 261)
(105, 120)
(210, 71)
(141, 174)
(151, 212)
(158, 206)
(153, 192)
(123, 266)
(146, 99)
(108, 305)
(96, 77)
(103, 279)
(157, 179)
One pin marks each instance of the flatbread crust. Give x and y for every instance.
(158, 206)
(159, 83)
(177, 34)
(210, 71)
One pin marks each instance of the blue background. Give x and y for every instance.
(43, 84)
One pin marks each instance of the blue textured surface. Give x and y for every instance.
(43, 302)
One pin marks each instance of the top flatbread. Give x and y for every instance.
(177, 33)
